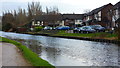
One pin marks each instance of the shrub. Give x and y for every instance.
(6, 26)
(117, 32)
(36, 29)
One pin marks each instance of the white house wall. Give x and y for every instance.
(99, 16)
(42, 23)
(115, 17)
(62, 23)
(33, 23)
(78, 21)
(36, 24)
(117, 14)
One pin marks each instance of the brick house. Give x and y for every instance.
(101, 16)
(58, 20)
(72, 19)
(47, 20)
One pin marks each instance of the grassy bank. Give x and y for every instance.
(32, 57)
(100, 35)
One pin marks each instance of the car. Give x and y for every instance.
(47, 28)
(86, 29)
(98, 28)
(76, 30)
(53, 28)
(63, 28)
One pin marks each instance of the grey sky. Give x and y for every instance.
(65, 6)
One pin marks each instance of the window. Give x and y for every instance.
(42, 23)
(99, 16)
(33, 23)
(38, 22)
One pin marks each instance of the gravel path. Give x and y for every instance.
(11, 56)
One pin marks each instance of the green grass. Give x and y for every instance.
(90, 35)
(32, 57)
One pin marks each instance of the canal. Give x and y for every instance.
(69, 52)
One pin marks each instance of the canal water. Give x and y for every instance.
(69, 52)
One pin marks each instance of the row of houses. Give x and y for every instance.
(106, 15)
(58, 20)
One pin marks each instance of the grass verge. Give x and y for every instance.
(100, 35)
(90, 35)
(32, 57)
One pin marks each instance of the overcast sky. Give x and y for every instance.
(64, 6)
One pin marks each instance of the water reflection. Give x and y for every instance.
(34, 45)
(70, 52)
(52, 54)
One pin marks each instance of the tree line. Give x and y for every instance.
(14, 19)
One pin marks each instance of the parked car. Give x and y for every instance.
(86, 29)
(98, 28)
(47, 28)
(63, 28)
(53, 28)
(76, 30)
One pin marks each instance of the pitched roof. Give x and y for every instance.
(59, 17)
(117, 5)
(98, 9)
(49, 17)
(72, 16)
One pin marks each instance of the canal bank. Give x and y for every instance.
(79, 38)
(30, 56)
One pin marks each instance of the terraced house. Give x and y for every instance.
(47, 20)
(101, 15)
(58, 20)
(72, 20)
(107, 15)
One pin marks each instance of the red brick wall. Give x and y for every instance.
(105, 13)
(21, 29)
(45, 23)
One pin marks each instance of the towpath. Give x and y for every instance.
(11, 56)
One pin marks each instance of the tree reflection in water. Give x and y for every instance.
(34, 45)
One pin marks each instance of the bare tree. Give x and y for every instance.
(34, 9)
(15, 13)
(47, 10)
(21, 17)
(52, 10)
